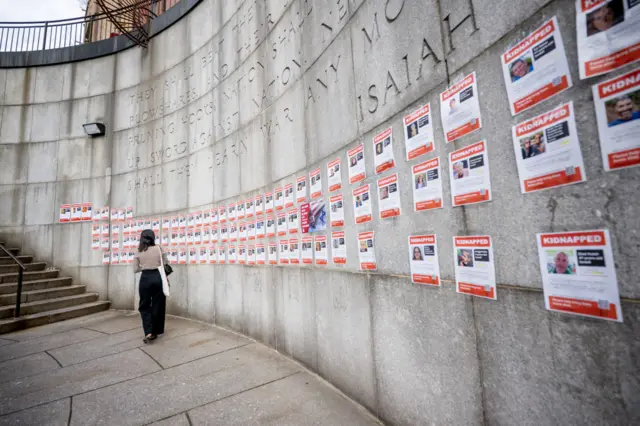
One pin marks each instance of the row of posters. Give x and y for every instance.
(77, 212)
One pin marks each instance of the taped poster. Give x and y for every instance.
(251, 230)
(282, 224)
(259, 202)
(334, 175)
(357, 167)
(191, 220)
(164, 240)
(105, 229)
(172, 257)
(242, 254)
(213, 255)
(215, 236)
(474, 267)
(113, 215)
(362, 204)
(249, 208)
(213, 218)
(182, 237)
(203, 255)
(269, 203)
(192, 255)
(197, 236)
(65, 213)
(301, 189)
(240, 212)
(579, 274)
(423, 255)
(337, 211)
(316, 183)
(222, 255)
(155, 224)
(427, 186)
(174, 222)
(224, 233)
(198, 219)
(182, 255)
(166, 223)
(97, 214)
(190, 237)
(320, 249)
(617, 104)
(233, 232)
(548, 150)
(460, 109)
(222, 214)
(608, 36)
(95, 242)
(271, 226)
(278, 199)
(115, 257)
(273, 254)
(115, 241)
(293, 221)
(128, 213)
(182, 222)
(104, 215)
(242, 231)
(87, 212)
(104, 243)
(418, 132)
(339, 248)
(288, 195)
(260, 229)
(294, 251)
(367, 251)
(122, 215)
(206, 217)
(76, 212)
(389, 197)
(232, 213)
(261, 257)
(251, 255)
(536, 68)
(95, 230)
(313, 216)
(232, 255)
(469, 171)
(383, 151)
(174, 237)
(283, 252)
(106, 258)
(307, 250)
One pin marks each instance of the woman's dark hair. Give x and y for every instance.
(147, 238)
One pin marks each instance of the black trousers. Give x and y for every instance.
(152, 302)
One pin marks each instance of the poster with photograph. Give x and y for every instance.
(418, 132)
(192, 256)
(215, 236)
(273, 254)
(283, 252)
(279, 198)
(76, 212)
(190, 237)
(222, 255)
(113, 215)
(260, 229)
(232, 254)
(536, 68)
(243, 234)
(460, 109)
(259, 205)
(174, 237)
(65, 213)
(288, 195)
(206, 217)
(232, 214)
(164, 242)
(251, 254)
(320, 249)
(388, 197)
(166, 223)
(182, 222)
(261, 256)
(548, 151)
(95, 242)
(122, 215)
(427, 186)
(172, 256)
(282, 224)
(95, 230)
(357, 167)
(469, 173)
(191, 220)
(203, 255)
(104, 243)
(174, 223)
(334, 175)
(115, 242)
(182, 255)
(271, 226)
(213, 218)
(115, 257)
(87, 212)
(105, 229)
(97, 214)
(338, 248)
(182, 237)
(128, 213)
(224, 233)
(242, 254)
(240, 212)
(617, 103)
(155, 224)
(233, 232)
(579, 274)
(293, 219)
(307, 250)
(269, 203)
(337, 211)
(474, 267)
(294, 251)
(198, 218)
(316, 183)
(383, 151)
(104, 215)
(249, 208)
(366, 251)
(608, 36)
(301, 189)
(313, 216)
(222, 214)
(423, 258)
(106, 257)
(213, 255)
(251, 230)
(362, 204)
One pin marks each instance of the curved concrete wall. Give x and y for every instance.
(241, 97)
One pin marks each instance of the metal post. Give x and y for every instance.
(91, 29)
(19, 294)
(44, 39)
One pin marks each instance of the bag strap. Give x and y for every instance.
(161, 261)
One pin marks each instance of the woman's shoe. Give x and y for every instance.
(148, 338)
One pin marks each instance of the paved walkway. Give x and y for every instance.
(96, 370)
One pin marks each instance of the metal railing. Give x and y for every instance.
(44, 35)
(21, 270)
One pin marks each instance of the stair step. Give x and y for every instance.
(49, 304)
(31, 267)
(27, 321)
(14, 251)
(9, 261)
(28, 276)
(37, 295)
(12, 288)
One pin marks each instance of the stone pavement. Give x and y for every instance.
(96, 370)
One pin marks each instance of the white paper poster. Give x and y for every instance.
(288, 195)
(259, 205)
(192, 255)
(222, 214)
(233, 232)
(261, 256)
(293, 219)
(383, 151)
(251, 230)
(182, 222)
(242, 231)
(95, 242)
(357, 168)
(362, 204)
(278, 198)
(76, 212)
(87, 212)
(536, 68)
(282, 224)
(65, 213)
(182, 255)
(423, 258)
(232, 254)
(198, 218)
(301, 189)
(213, 218)
(215, 236)
(469, 174)
(548, 150)
(617, 103)
(294, 251)
(366, 251)
(232, 213)
(206, 217)
(271, 226)
(388, 197)
(273, 254)
(337, 211)
(338, 248)
(213, 255)
(166, 223)
(608, 36)
(418, 132)
(474, 267)
(249, 208)
(307, 250)
(129, 213)
(427, 186)
(283, 252)
(104, 215)
(242, 254)
(316, 183)
(190, 237)
(172, 256)
(320, 249)
(251, 255)
(224, 233)
(106, 258)
(579, 274)
(174, 222)
(222, 255)
(334, 175)
(191, 220)
(206, 235)
(460, 109)
(269, 203)
(260, 228)
(240, 212)
(203, 255)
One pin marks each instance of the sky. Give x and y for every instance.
(39, 10)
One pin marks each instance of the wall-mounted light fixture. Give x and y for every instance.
(94, 129)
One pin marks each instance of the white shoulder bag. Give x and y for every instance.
(165, 280)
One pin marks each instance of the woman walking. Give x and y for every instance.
(152, 300)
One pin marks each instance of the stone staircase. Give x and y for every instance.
(46, 296)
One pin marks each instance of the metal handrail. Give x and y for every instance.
(20, 272)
